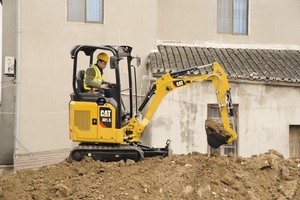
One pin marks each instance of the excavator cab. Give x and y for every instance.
(81, 95)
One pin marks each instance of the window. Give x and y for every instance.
(214, 113)
(294, 141)
(90, 11)
(233, 16)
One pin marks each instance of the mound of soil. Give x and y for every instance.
(193, 176)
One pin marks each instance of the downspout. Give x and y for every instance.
(18, 78)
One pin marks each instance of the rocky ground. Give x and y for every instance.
(193, 176)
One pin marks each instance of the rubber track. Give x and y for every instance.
(97, 149)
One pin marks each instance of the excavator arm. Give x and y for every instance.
(216, 134)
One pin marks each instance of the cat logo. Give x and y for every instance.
(179, 83)
(105, 113)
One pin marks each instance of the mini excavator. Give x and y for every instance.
(105, 133)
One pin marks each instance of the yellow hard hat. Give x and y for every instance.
(102, 56)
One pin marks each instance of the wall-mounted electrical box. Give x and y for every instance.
(9, 65)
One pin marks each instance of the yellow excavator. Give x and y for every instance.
(107, 133)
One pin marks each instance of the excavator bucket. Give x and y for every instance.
(216, 134)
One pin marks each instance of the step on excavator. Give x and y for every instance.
(106, 132)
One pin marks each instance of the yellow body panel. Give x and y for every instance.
(90, 122)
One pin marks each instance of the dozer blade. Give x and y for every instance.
(216, 135)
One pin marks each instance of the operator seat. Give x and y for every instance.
(83, 94)
(79, 80)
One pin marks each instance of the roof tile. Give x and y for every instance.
(251, 64)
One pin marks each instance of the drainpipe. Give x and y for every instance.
(18, 78)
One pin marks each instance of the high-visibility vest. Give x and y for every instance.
(97, 78)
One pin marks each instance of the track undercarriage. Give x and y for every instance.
(114, 153)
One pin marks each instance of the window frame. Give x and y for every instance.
(224, 149)
(294, 138)
(232, 20)
(101, 21)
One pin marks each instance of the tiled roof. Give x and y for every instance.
(243, 64)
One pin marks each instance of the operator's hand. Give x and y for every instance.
(112, 85)
(103, 86)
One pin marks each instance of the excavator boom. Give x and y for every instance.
(217, 135)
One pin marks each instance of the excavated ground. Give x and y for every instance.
(194, 176)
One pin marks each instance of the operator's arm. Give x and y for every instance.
(90, 74)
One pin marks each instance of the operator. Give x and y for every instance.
(93, 81)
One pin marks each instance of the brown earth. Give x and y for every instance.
(193, 176)
(217, 127)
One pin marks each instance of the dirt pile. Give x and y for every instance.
(193, 176)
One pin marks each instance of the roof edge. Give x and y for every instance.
(261, 82)
(212, 44)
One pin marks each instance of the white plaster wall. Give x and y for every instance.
(270, 22)
(0, 50)
(46, 66)
(181, 117)
(265, 113)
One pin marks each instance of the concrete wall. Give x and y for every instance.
(7, 125)
(270, 22)
(0, 48)
(46, 67)
(180, 117)
(265, 113)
